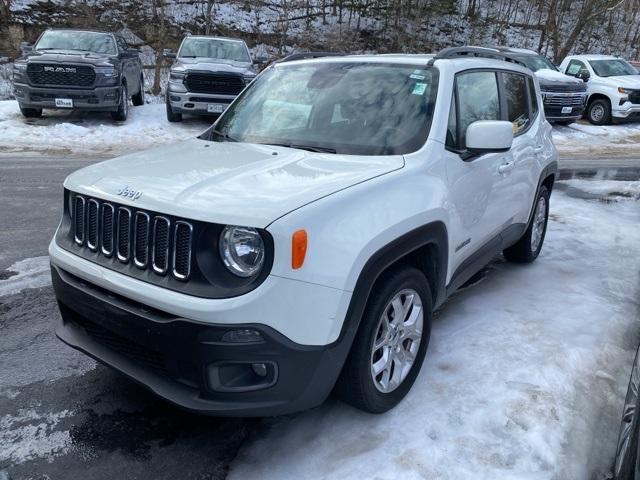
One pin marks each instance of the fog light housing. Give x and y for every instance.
(243, 335)
(241, 376)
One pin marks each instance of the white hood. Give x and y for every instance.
(227, 183)
(553, 76)
(625, 81)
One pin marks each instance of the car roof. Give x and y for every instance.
(215, 37)
(88, 30)
(524, 51)
(419, 60)
(592, 57)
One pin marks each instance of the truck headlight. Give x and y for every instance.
(107, 72)
(625, 91)
(242, 250)
(248, 79)
(19, 69)
(176, 75)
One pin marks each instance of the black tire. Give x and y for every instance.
(122, 113)
(171, 115)
(356, 383)
(599, 112)
(31, 112)
(626, 465)
(523, 251)
(138, 98)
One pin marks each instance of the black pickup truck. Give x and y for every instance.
(78, 69)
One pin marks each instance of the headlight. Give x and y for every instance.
(108, 72)
(248, 79)
(176, 75)
(19, 69)
(242, 250)
(625, 91)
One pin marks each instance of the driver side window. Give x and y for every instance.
(575, 68)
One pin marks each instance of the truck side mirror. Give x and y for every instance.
(168, 53)
(584, 75)
(25, 47)
(260, 60)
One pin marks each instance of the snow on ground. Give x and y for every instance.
(582, 138)
(27, 273)
(524, 377)
(60, 132)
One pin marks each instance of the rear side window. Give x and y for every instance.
(517, 100)
(477, 99)
(534, 98)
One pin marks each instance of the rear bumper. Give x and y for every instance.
(198, 103)
(186, 362)
(96, 99)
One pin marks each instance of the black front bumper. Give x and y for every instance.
(178, 359)
(554, 113)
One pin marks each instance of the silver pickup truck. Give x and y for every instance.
(207, 74)
(78, 70)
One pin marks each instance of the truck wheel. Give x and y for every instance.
(528, 247)
(171, 115)
(625, 465)
(138, 98)
(391, 343)
(121, 114)
(599, 112)
(31, 112)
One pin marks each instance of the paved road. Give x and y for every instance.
(73, 418)
(64, 417)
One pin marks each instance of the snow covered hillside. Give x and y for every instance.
(524, 378)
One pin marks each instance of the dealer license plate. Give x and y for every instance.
(64, 103)
(216, 107)
(567, 109)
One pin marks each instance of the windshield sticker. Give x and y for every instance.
(419, 88)
(415, 76)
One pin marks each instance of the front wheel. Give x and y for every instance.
(391, 343)
(138, 98)
(626, 461)
(527, 249)
(121, 114)
(599, 112)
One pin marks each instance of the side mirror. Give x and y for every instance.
(25, 47)
(584, 75)
(133, 51)
(486, 136)
(260, 60)
(167, 53)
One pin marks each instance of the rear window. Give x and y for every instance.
(517, 98)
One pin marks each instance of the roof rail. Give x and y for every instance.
(483, 52)
(305, 55)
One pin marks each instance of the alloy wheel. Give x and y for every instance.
(397, 340)
(629, 414)
(539, 220)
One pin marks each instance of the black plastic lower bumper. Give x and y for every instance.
(554, 113)
(181, 360)
(96, 99)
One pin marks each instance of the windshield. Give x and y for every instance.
(537, 62)
(214, 48)
(612, 68)
(83, 41)
(336, 107)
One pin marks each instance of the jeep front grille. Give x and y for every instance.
(61, 75)
(149, 240)
(220, 83)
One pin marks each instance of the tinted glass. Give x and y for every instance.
(534, 98)
(214, 48)
(478, 100)
(346, 107)
(452, 126)
(74, 40)
(537, 62)
(516, 93)
(612, 68)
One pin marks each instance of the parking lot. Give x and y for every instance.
(64, 417)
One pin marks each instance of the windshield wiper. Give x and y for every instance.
(309, 148)
(224, 135)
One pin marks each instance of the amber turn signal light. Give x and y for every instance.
(298, 248)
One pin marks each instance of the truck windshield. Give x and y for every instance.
(612, 68)
(95, 42)
(214, 48)
(336, 107)
(537, 62)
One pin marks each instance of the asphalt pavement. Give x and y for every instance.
(62, 416)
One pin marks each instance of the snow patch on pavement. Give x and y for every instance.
(31, 273)
(582, 138)
(91, 132)
(30, 434)
(524, 378)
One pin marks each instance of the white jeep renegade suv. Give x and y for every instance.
(303, 242)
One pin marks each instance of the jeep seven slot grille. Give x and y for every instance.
(61, 75)
(147, 239)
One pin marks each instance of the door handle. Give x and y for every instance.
(506, 167)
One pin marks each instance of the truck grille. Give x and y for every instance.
(221, 83)
(61, 75)
(564, 100)
(634, 96)
(148, 240)
(564, 87)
